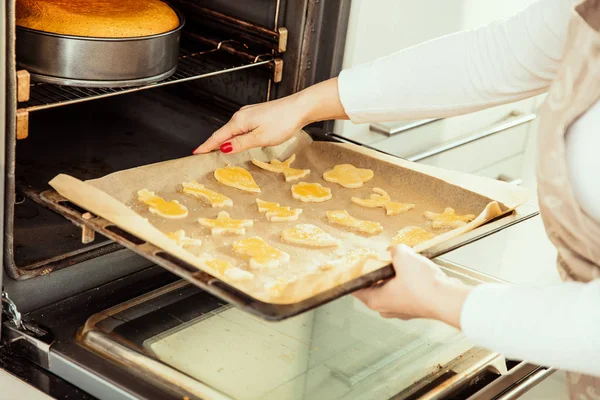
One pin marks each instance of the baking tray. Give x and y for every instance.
(216, 287)
(184, 264)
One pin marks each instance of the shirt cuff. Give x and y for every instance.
(353, 88)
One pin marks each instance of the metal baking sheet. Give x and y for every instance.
(268, 311)
(113, 198)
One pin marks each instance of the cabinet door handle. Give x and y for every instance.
(468, 139)
(527, 384)
(508, 179)
(391, 131)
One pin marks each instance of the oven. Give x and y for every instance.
(83, 315)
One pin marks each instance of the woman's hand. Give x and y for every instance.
(419, 290)
(274, 122)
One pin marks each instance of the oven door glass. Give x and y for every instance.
(338, 350)
(341, 349)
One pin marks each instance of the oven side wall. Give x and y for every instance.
(34, 293)
(7, 79)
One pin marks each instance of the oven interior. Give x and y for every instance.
(232, 54)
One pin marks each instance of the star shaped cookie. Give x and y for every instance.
(283, 167)
(224, 224)
(236, 177)
(159, 206)
(309, 235)
(276, 213)
(341, 217)
(348, 176)
(448, 219)
(382, 199)
(213, 198)
(261, 254)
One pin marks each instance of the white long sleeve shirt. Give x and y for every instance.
(505, 61)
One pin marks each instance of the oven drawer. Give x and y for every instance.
(475, 151)
(416, 136)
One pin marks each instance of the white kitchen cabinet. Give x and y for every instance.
(380, 27)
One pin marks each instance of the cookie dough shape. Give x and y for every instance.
(182, 240)
(448, 219)
(341, 217)
(159, 206)
(382, 199)
(311, 192)
(309, 235)
(350, 259)
(412, 236)
(276, 213)
(261, 254)
(198, 190)
(224, 224)
(348, 175)
(236, 177)
(283, 167)
(224, 268)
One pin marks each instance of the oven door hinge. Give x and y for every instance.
(9, 309)
(27, 339)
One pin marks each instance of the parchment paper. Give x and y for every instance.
(114, 198)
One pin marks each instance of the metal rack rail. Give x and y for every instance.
(191, 66)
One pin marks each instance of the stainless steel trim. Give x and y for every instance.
(471, 138)
(86, 380)
(461, 371)
(466, 274)
(28, 338)
(390, 131)
(6, 98)
(527, 384)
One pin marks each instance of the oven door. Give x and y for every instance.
(179, 341)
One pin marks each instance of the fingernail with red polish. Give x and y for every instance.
(226, 147)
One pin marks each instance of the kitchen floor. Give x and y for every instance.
(13, 388)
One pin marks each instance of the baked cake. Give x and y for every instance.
(97, 18)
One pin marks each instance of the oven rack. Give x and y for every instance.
(191, 66)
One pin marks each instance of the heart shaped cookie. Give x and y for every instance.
(236, 177)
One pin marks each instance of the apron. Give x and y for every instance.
(575, 234)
